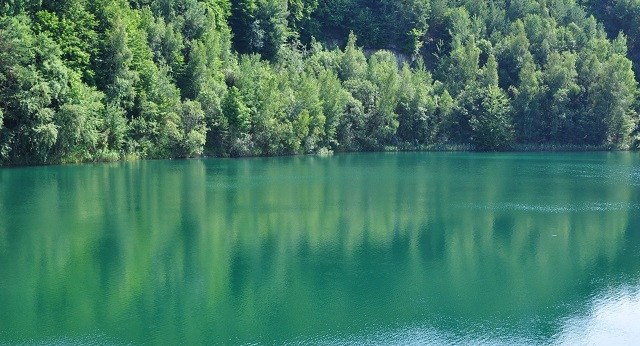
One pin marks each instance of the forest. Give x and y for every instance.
(109, 80)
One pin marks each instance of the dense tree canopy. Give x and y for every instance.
(97, 80)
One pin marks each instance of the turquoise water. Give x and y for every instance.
(406, 248)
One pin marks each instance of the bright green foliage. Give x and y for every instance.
(513, 51)
(611, 101)
(621, 16)
(382, 122)
(334, 103)
(417, 108)
(95, 80)
(460, 68)
(353, 64)
(72, 27)
(237, 125)
(483, 118)
(81, 128)
(49, 114)
(308, 114)
(491, 126)
(194, 130)
(117, 76)
(528, 103)
(237, 113)
(561, 106)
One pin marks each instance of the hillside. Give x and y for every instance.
(107, 80)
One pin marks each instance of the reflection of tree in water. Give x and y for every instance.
(262, 249)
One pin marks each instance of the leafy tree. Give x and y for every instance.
(194, 129)
(260, 26)
(491, 125)
(238, 117)
(514, 51)
(334, 106)
(562, 96)
(33, 78)
(349, 133)
(528, 104)
(353, 64)
(382, 122)
(81, 127)
(416, 108)
(612, 101)
(308, 114)
(117, 76)
(73, 27)
(460, 68)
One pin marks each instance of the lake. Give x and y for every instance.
(387, 248)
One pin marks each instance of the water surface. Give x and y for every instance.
(407, 248)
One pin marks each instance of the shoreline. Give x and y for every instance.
(519, 148)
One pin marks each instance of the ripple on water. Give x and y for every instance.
(425, 335)
(89, 339)
(550, 208)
